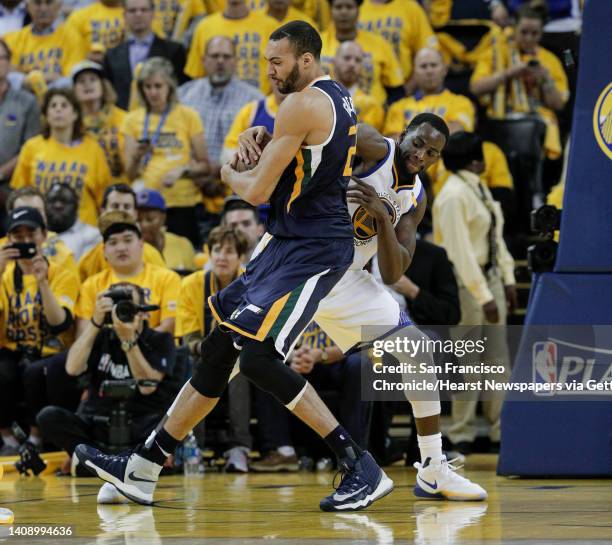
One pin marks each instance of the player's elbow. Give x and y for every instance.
(390, 277)
(254, 198)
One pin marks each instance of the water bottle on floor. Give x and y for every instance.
(192, 457)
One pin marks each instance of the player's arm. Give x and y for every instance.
(255, 186)
(371, 145)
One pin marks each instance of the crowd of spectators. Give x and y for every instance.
(115, 118)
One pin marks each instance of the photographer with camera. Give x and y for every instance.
(36, 303)
(118, 351)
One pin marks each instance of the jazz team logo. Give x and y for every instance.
(602, 121)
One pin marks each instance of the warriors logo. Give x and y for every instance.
(602, 121)
(364, 225)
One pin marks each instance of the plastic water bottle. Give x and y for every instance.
(192, 457)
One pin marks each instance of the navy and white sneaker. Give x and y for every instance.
(134, 476)
(363, 482)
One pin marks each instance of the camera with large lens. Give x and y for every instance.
(123, 303)
(29, 459)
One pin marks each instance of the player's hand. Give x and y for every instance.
(7, 254)
(364, 195)
(104, 305)
(251, 144)
(40, 268)
(511, 297)
(491, 311)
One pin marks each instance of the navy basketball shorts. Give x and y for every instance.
(279, 293)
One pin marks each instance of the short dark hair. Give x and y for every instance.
(539, 12)
(434, 120)
(461, 149)
(77, 129)
(358, 2)
(303, 37)
(119, 188)
(235, 203)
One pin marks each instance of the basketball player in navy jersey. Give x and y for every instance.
(303, 172)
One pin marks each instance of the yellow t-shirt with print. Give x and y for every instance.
(99, 25)
(403, 24)
(190, 315)
(21, 314)
(106, 129)
(294, 14)
(250, 36)
(53, 54)
(449, 106)
(316, 10)
(380, 66)
(178, 253)
(94, 262)
(244, 120)
(172, 17)
(496, 172)
(315, 337)
(45, 161)
(369, 110)
(161, 287)
(172, 149)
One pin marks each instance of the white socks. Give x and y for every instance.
(286, 451)
(430, 447)
(10, 441)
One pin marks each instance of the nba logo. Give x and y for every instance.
(545, 363)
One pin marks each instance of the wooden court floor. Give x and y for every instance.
(283, 509)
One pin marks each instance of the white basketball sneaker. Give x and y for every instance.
(109, 495)
(438, 480)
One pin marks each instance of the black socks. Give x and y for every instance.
(343, 445)
(159, 448)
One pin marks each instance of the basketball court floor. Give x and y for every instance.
(220, 508)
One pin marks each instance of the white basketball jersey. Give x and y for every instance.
(398, 196)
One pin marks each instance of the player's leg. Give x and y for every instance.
(135, 475)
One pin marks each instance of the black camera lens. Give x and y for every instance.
(126, 311)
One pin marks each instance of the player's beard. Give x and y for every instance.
(403, 173)
(290, 83)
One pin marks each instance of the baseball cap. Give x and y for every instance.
(116, 221)
(150, 199)
(86, 66)
(25, 215)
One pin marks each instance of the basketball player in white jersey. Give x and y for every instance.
(386, 203)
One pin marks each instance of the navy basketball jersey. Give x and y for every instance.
(310, 198)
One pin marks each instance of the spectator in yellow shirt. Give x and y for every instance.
(101, 26)
(284, 12)
(123, 249)
(62, 154)
(381, 74)
(165, 148)
(403, 24)
(431, 96)
(101, 118)
(249, 30)
(46, 44)
(173, 17)
(348, 66)
(118, 197)
(516, 75)
(177, 251)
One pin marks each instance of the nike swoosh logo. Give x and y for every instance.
(434, 485)
(133, 477)
(19, 214)
(342, 497)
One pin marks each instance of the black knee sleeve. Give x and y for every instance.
(212, 371)
(260, 363)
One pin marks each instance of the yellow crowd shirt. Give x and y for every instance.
(178, 253)
(369, 110)
(106, 129)
(172, 149)
(496, 172)
(45, 161)
(244, 120)
(294, 14)
(315, 337)
(172, 17)
(316, 10)
(94, 261)
(193, 314)
(380, 66)
(53, 53)
(449, 106)
(99, 25)
(403, 24)
(250, 36)
(161, 287)
(22, 313)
